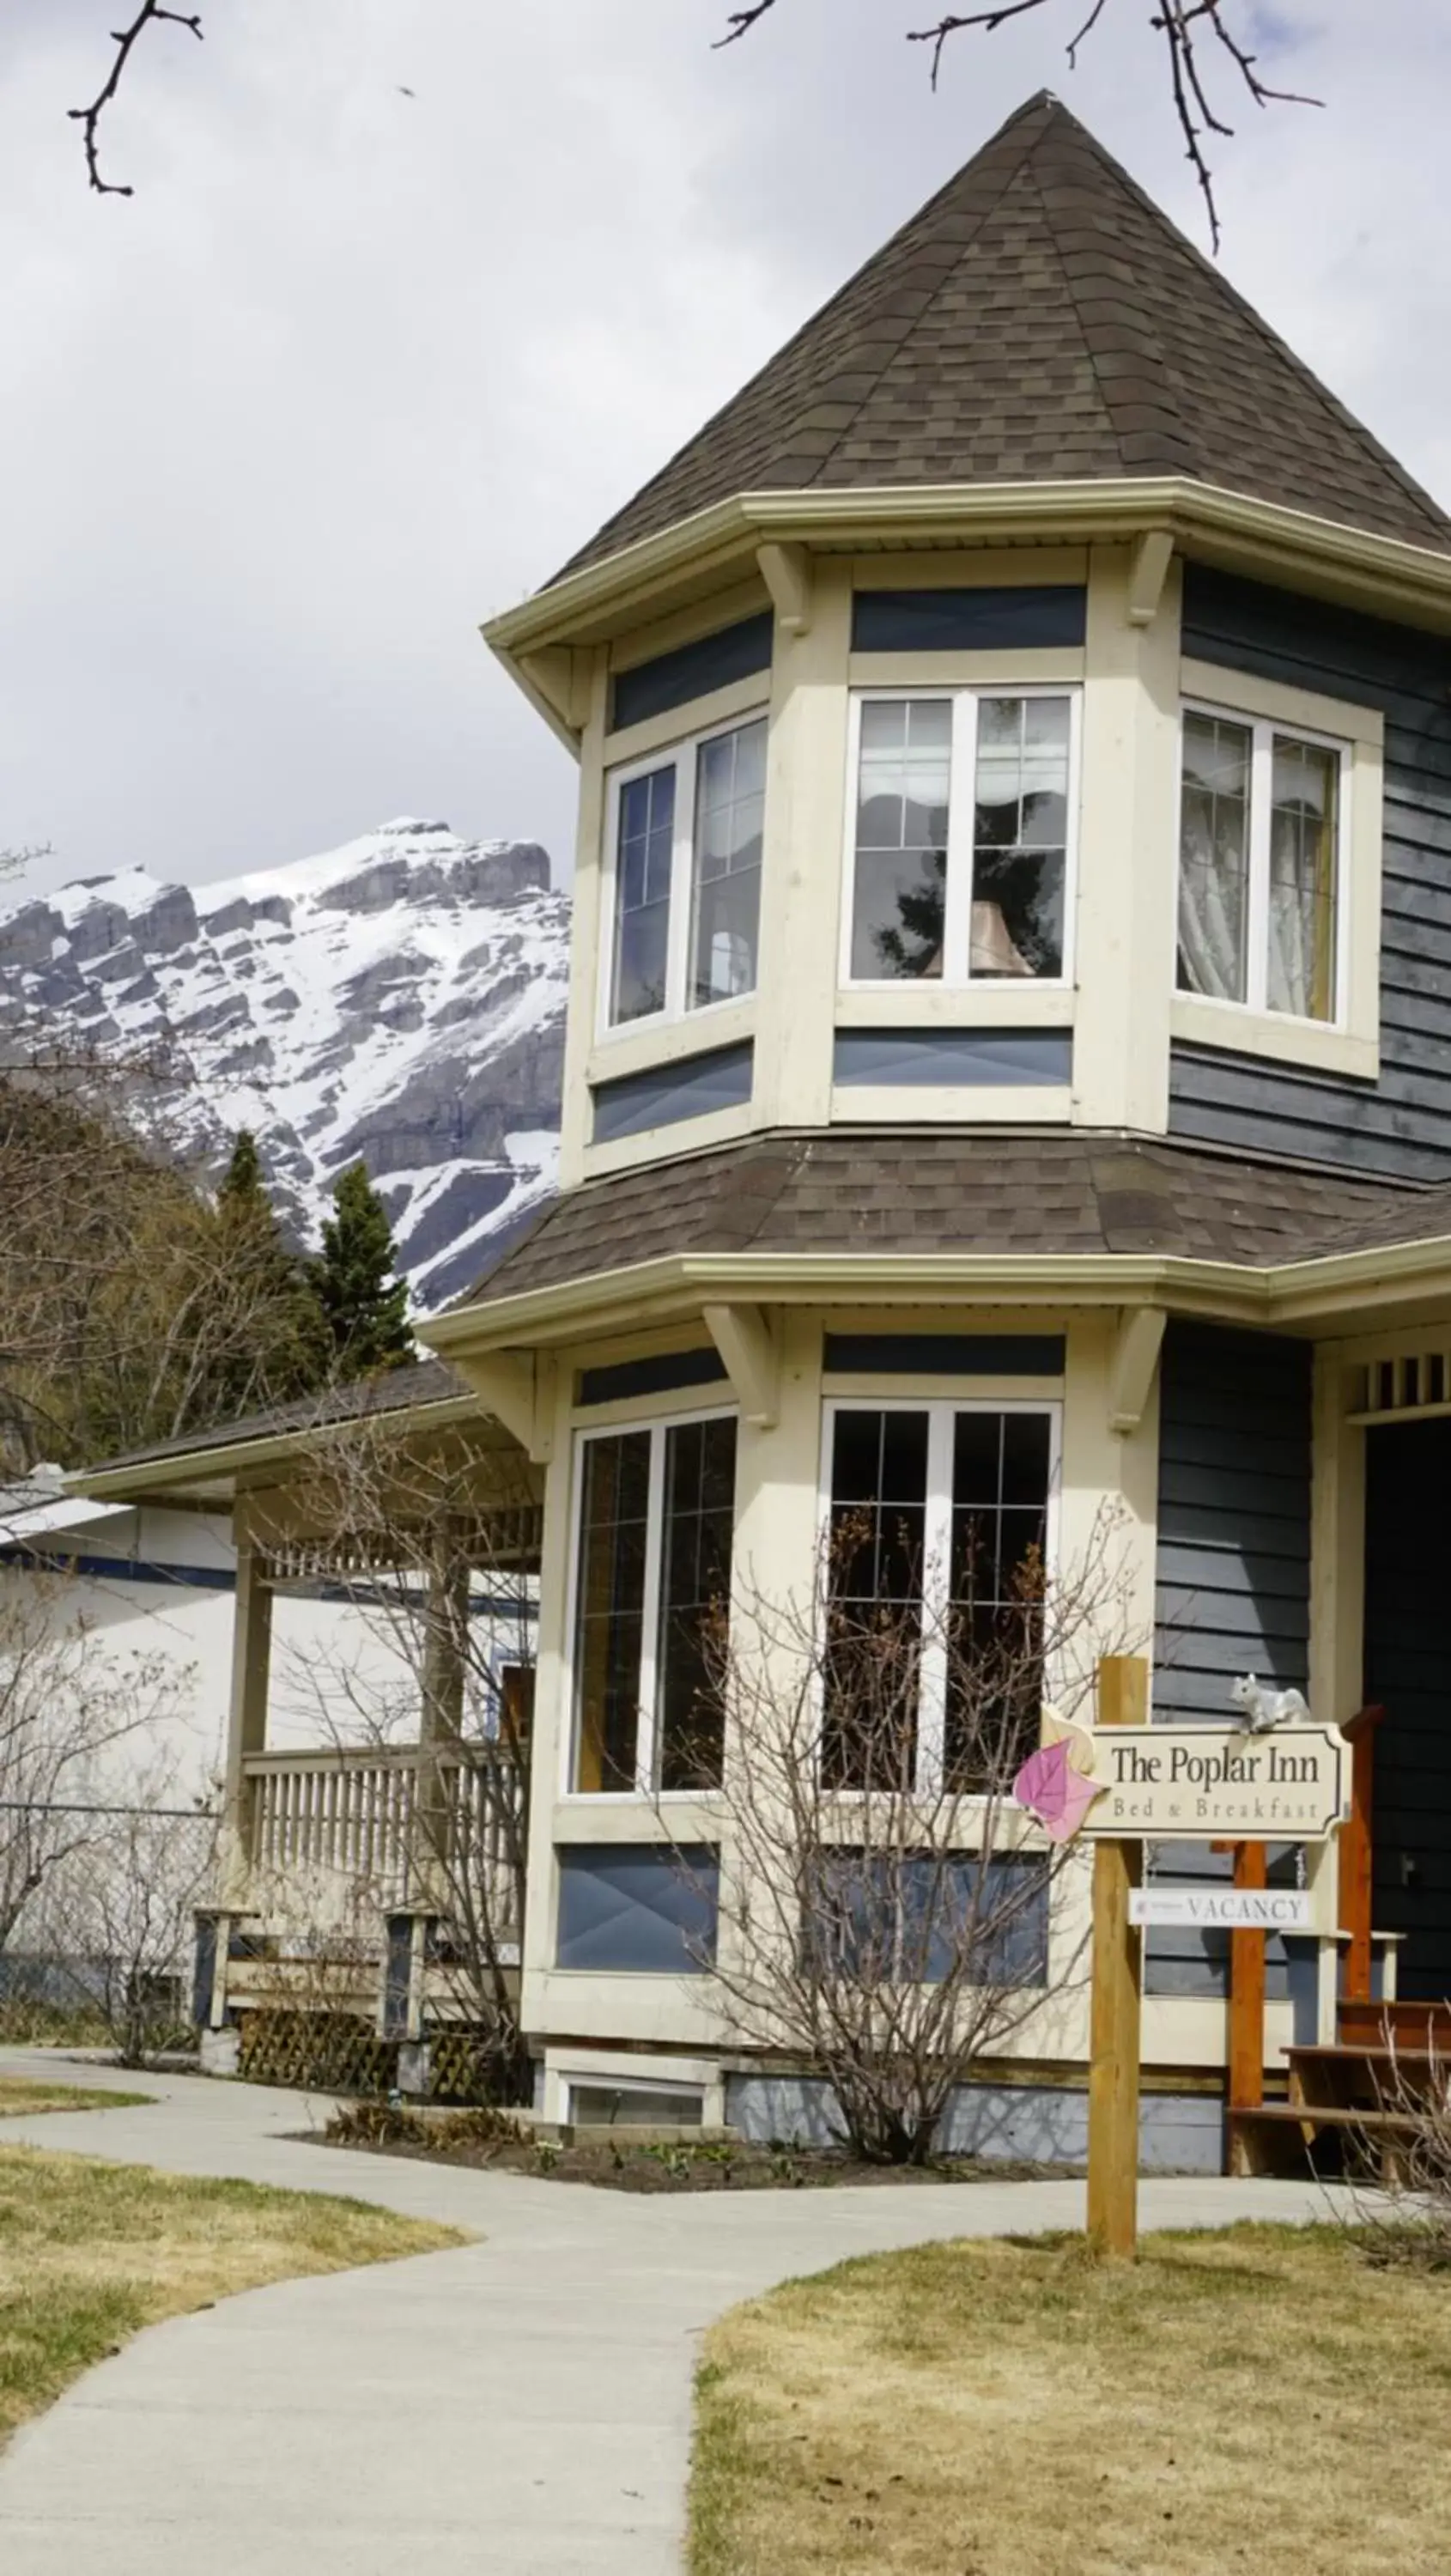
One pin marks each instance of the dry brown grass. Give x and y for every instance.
(26, 2093)
(1255, 2397)
(90, 2253)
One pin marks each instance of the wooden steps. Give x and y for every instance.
(1355, 2095)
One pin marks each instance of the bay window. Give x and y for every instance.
(1260, 867)
(684, 875)
(936, 1556)
(653, 1567)
(963, 835)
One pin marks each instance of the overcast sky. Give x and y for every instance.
(354, 369)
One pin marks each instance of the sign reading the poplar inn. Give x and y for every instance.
(1289, 1784)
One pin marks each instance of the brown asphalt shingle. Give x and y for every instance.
(1014, 1192)
(1039, 320)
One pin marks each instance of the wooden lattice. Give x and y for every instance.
(460, 2067)
(316, 2051)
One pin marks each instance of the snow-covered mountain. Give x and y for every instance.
(401, 998)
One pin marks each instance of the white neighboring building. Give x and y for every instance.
(158, 1582)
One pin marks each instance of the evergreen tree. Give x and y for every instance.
(364, 1305)
(274, 1342)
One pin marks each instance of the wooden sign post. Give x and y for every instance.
(1113, 2074)
(1274, 1776)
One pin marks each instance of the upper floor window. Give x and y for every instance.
(685, 875)
(963, 835)
(1260, 866)
(652, 1585)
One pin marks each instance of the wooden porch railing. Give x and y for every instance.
(354, 1814)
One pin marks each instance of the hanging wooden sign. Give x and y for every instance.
(1288, 1784)
(1221, 1909)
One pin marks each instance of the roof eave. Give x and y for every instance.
(1338, 1287)
(218, 1474)
(1384, 574)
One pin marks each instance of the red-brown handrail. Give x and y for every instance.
(1357, 1851)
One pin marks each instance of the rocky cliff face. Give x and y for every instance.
(401, 998)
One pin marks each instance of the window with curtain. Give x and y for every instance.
(652, 1593)
(963, 835)
(937, 1555)
(685, 870)
(1259, 865)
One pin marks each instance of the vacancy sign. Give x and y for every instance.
(1288, 1784)
(1221, 1909)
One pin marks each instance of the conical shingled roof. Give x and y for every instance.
(1039, 321)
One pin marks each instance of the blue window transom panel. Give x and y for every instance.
(637, 1909)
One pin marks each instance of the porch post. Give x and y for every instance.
(441, 1713)
(246, 1720)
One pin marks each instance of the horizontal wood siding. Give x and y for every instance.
(1400, 1125)
(1233, 1579)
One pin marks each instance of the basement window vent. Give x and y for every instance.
(1412, 1382)
(630, 2106)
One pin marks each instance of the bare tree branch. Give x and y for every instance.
(1182, 23)
(89, 118)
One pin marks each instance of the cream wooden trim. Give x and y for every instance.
(1129, 802)
(585, 933)
(1337, 1544)
(989, 1104)
(1134, 1366)
(959, 1386)
(1230, 528)
(704, 616)
(1017, 1001)
(520, 1390)
(801, 889)
(1153, 554)
(735, 703)
(747, 1343)
(1044, 667)
(972, 567)
(787, 574)
(638, 1046)
(565, 679)
(1350, 1286)
(1236, 1030)
(657, 1144)
(1306, 710)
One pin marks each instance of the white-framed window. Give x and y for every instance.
(683, 876)
(962, 835)
(655, 1519)
(1263, 872)
(941, 1527)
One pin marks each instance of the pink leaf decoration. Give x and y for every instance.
(1056, 1795)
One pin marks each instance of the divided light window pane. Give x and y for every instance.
(609, 1623)
(1305, 781)
(700, 1487)
(999, 1522)
(643, 856)
(1258, 867)
(730, 797)
(657, 1512)
(1214, 858)
(875, 1591)
(904, 786)
(1020, 837)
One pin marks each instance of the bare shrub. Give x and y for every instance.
(883, 1915)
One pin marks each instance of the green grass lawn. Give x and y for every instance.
(91, 2252)
(1251, 2399)
(37, 2093)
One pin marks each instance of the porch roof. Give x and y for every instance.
(208, 1468)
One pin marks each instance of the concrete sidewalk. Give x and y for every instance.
(518, 2408)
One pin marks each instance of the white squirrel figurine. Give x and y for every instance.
(1260, 1709)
